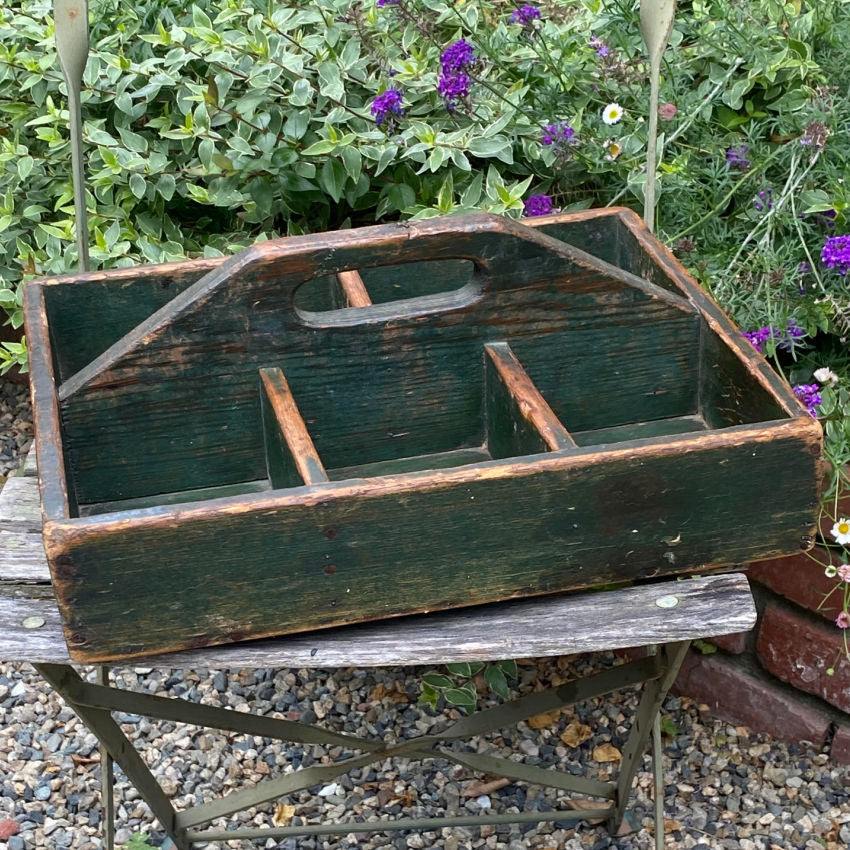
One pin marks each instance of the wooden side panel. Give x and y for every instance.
(88, 313)
(519, 421)
(290, 454)
(728, 393)
(353, 551)
(376, 383)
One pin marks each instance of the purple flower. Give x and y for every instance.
(454, 82)
(791, 333)
(458, 56)
(764, 200)
(736, 157)
(538, 205)
(810, 396)
(804, 268)
(836, 254)
(388, 2)
(525, 15)
(558, 134)
(386, 108)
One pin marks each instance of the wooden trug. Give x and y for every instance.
(364, 424)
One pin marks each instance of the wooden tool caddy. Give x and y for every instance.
(397, 419)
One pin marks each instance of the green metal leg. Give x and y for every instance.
(62, 678)
(670, 659)
(107, 790)
(94, 702)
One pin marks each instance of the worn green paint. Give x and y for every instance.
(339, 553)
(679, 424)
(374, 384)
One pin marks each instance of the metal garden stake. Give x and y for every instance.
(72, 46)
(71, 22)
(656, 24)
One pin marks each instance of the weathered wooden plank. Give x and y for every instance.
(291, 456)
(58, 496)
(587, 622)
(406, 376)
(420, 463)
(22, 557)
(519, 420)
(354, 289)
(640, 430)
(368, 549)
(20, 506)
(181, 497)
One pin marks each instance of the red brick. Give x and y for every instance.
(801, 579)
(840, 750)
(800, 651)
(735, 643)
(740, 698)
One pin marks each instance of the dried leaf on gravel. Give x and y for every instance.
(606, 752)
(545, 720)
(283, 814)
(483, 787)
(576, 733)
(584, 805)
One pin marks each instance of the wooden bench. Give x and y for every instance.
(668, 614)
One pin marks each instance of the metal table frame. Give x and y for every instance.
(667, 614)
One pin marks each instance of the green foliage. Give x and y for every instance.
(138, 841)
(458, 688)
(212, 125)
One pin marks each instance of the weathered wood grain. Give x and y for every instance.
(354, 289)
(22, 557)
(425, 541)
(407, 375)
(291, 456)
(587, 622)
(519, 421)
(58, 496)
(20, 506)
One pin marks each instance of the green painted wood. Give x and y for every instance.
(519, 421)
(202, 495)
(88, 313)
(641, 430)
(421, 463)
(728, 396)
(397, 380)
(260, 565)
(509, 433)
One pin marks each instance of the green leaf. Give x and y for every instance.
(437, 680)
(498, 147)
(332, 178)
(460, 668)
(352, 161)
(496, 681)
(508, 667)
(201, 19)
(302, 93)
(461, 697)
(320, 148)
(166, 186)
(472, 194)
(138, 185)
(25, 166)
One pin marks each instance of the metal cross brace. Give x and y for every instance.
(95, 702)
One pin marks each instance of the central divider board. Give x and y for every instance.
(375, 383)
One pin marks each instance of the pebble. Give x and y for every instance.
(724, 790)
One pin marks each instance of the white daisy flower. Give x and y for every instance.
(841, 531)
(826, 376)
(612, 113)
(612, 149)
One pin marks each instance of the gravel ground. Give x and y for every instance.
(725, 787)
